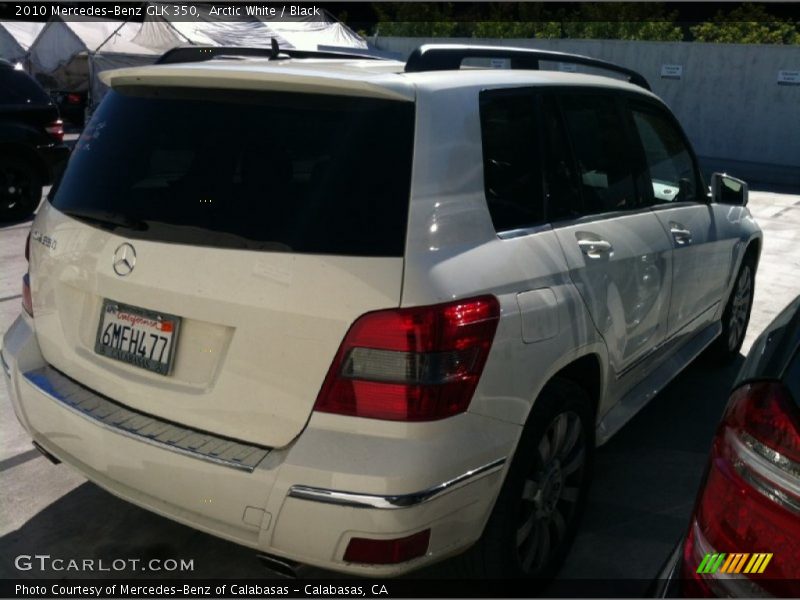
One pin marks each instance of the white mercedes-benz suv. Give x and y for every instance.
(366, 314)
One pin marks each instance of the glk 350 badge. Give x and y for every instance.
(44, 240)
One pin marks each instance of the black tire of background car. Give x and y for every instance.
(721, 352)
(497, 555)
(20, 188)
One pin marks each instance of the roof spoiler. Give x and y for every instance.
(188, 54)
(448, 57)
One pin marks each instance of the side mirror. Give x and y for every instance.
(728, 190)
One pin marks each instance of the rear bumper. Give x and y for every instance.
(304, 501)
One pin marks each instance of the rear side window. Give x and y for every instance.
(511, 164)
(16, 87)
(288, 172)
(604, 161)
(672, 172)
(562, 181)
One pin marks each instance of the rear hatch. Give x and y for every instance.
(208, 249)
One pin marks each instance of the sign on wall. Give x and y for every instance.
(788, 77)
(671, 71)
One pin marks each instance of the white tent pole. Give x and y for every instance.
(113, 33)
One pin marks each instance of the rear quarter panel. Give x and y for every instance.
(453, 251)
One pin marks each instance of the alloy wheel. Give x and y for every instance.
(550, 493)
(15, 188)
(740, 307)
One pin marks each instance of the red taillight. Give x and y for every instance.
(56, 130)
(387, 552)
(27, 300)
(411, 364)
(750, 502)
(73, 98)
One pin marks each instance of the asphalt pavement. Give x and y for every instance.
(644, 486)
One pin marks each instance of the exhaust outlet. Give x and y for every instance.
(281, 566)
(46, 454)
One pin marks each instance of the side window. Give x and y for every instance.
(604, 161)
(511, 166)
(562, 189)
(672, 171)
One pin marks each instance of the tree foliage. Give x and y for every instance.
(418, 19)
(623, 21)
(519, 20)
(747, 24)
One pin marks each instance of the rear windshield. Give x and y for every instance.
(289, 172)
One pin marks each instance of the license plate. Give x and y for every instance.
(137, 336)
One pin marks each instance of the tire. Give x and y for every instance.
(539, 507)
(736, 316)
(20, 188)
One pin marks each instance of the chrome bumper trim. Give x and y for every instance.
(355, 500)
(143, 427)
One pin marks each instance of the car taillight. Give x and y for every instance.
(73, 98)
(411, 364)
(56, 130)
(750, 502)
(27, 299)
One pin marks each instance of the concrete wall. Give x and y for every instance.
(728, 100)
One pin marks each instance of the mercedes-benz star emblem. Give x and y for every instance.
(124, 259)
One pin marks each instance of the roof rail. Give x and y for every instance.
(448, 57)
(184, 54)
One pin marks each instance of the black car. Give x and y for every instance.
(744, 535)
(71, 106)
(32, 150)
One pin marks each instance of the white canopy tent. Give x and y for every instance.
(310, 34)
(16, 38)
(206, 29)
(59, 58)
(70, 54)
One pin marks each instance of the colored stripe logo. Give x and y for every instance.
(734, 563)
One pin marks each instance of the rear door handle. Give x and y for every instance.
(680, 234)
(595, 248)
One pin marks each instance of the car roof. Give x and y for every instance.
(368, 77)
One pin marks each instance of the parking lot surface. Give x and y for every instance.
(644, 485)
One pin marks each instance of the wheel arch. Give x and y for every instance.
(753, 249)
(587, 368)
(585, 371)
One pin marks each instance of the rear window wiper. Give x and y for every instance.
(107, 219)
